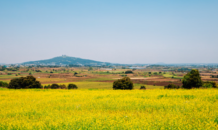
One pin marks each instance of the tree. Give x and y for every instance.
(128, 72)
(192, 79)
(75, 73)
(72, 86)
(124, 83)
(90, 68)
(54, 86)
(24, 82)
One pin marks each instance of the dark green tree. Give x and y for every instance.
(124, 83)
(128, 72)
(24, 82)
(75, 73)
(54, 86)
(192, 79)
(72, 86)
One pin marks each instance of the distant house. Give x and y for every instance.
(138, 67)
(105, 69)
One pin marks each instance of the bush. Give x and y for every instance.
(55, 86)
(24, 82)
(75, 73)
(192, 79)
(171, 86)
(155, 73)
(72, 86)
(128, 72)
(142, 87)
(3, 84)
(46, 87)
(124, 83)
(209, 84)
(214, 76)
(63, 86)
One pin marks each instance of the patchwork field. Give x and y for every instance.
(109, 109)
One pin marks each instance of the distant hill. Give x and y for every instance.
(66, 60)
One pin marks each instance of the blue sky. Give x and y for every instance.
(117, 31)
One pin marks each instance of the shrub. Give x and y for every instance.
(3, 84)
(171, 86)
(63, 86)
(209, 84)
(72, 86)
(55, 86)
(214, 76)
(128, 72)
(38, 71)
(142, 87)
(75, 73)
(46, 87)
(155, 73)
(24, 82)
(192, 79)
(124, 83)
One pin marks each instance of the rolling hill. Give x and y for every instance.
(66, 60)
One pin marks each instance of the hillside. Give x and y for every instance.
(66, 60)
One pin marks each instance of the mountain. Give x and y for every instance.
(66, 60)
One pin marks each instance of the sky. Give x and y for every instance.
(116, 31)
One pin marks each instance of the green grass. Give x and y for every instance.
(104, 85)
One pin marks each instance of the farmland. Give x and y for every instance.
(152, 77)
(95, 105)
(109, 109)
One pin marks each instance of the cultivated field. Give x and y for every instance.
(109, 109)
(96, 106)
(153, 77)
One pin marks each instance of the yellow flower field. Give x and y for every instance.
(109, 109)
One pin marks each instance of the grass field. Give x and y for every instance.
(109, 109)
(103, 85)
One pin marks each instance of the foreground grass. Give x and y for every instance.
(109, 109)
